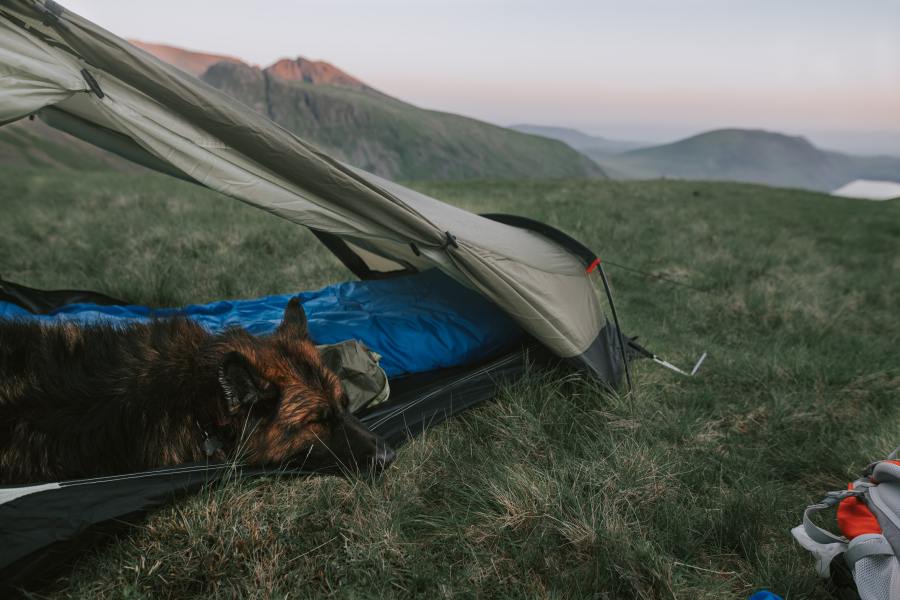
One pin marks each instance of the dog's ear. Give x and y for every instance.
(294, 322)
(239, 383)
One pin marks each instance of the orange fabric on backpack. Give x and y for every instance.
(854, 517)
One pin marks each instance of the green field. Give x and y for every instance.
(687, 489)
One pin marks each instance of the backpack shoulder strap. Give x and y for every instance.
(869, 544)
(832, 499)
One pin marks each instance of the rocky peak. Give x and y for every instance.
(313, 71)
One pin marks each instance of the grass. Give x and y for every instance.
(556, 489)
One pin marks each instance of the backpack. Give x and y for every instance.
(868, 516)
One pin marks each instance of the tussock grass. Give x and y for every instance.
(558, 488)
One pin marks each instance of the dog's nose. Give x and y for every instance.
(384, 456)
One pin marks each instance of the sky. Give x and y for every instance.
(645, 70)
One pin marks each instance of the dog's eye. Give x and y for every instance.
(322, 416)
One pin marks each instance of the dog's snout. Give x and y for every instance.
(365, 450)
(384, 456)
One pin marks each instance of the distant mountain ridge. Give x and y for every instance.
(355, 123)
(593, 146)
(752, 156)
(384, 135)
(362, 126)
(338, 113)
(195, 63)
(293, 69)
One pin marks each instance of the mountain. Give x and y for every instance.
(753, 156)
(190, 61)
(357, 124)
(340, 114)
(593, 146)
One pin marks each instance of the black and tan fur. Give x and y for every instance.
(100, 400)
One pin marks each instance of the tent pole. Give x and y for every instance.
(612, 308)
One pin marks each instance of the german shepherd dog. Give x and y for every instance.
(100, 400)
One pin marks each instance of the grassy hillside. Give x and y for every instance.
(35, 144)
(394, 139)
(687, 489)
(751, 156)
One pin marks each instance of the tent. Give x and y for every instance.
(95, 86)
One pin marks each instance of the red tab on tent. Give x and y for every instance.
(593, 265)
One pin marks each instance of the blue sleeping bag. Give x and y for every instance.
(417, 322)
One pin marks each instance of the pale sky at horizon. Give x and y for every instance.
(649, 70)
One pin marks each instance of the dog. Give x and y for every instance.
(100, 400)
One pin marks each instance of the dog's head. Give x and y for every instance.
(287, 407)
